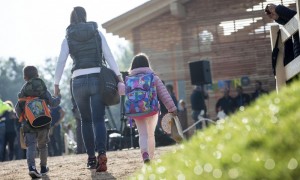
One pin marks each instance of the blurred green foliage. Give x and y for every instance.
(259, 142)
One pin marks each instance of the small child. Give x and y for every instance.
(146, 125)
(35, 137)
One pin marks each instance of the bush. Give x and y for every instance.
(260, 142)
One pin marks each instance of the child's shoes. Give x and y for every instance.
(44, 170)
(34, 173)
(146, 158)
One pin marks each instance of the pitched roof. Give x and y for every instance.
(123, 24)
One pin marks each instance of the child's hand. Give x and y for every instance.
(57, 96)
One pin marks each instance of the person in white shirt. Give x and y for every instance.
(86, 46)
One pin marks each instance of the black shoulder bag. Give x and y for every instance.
(108, 80)
(275, 53)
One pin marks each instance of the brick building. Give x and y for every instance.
(232, 34)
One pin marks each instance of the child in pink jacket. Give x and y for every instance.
(146, 125)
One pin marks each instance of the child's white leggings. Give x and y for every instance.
(146, 128)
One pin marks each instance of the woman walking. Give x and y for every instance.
(86, 46)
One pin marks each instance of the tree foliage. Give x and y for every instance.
(124, 57)
(11, 79)
(47, 72)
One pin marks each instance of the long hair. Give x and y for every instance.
(78, 15)
(140, 60)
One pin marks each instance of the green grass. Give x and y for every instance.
(261, 142)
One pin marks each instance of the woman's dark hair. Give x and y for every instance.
(78, 15)
(30, 72)
(140, 60)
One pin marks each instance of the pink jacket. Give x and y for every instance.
(162, 91)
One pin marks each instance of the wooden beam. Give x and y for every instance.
(289, 28)
(177, 9)
(136, 16)
(292, 68)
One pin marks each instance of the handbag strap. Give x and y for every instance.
(99, 52)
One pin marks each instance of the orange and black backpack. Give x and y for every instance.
(36, 112)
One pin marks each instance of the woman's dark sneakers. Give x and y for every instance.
(92, 163)
(101, 166)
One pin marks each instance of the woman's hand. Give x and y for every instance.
(120, 78)
(56, 90)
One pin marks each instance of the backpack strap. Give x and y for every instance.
(29, 98)
(22, 117)
(99, 48)
(141, 73)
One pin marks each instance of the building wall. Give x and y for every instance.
(235, 41)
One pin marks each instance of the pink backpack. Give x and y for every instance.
(140, 96)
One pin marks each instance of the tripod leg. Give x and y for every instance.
(111, 117)
(131, 138)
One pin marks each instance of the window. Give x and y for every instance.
(205, 40)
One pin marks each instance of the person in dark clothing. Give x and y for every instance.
(172, 94)
(226, 103)
(258, 91)
(163, 109)
(20, 153)
(4, 109)
(10, 134)
(198, 104)
(182, 114)
(161, 138)
(241, 99)
(55, 146)
(282, 15)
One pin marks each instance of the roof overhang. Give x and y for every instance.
(123, 24)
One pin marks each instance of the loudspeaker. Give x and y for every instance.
(200, 72)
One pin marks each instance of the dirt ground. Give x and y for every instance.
(121, 165)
